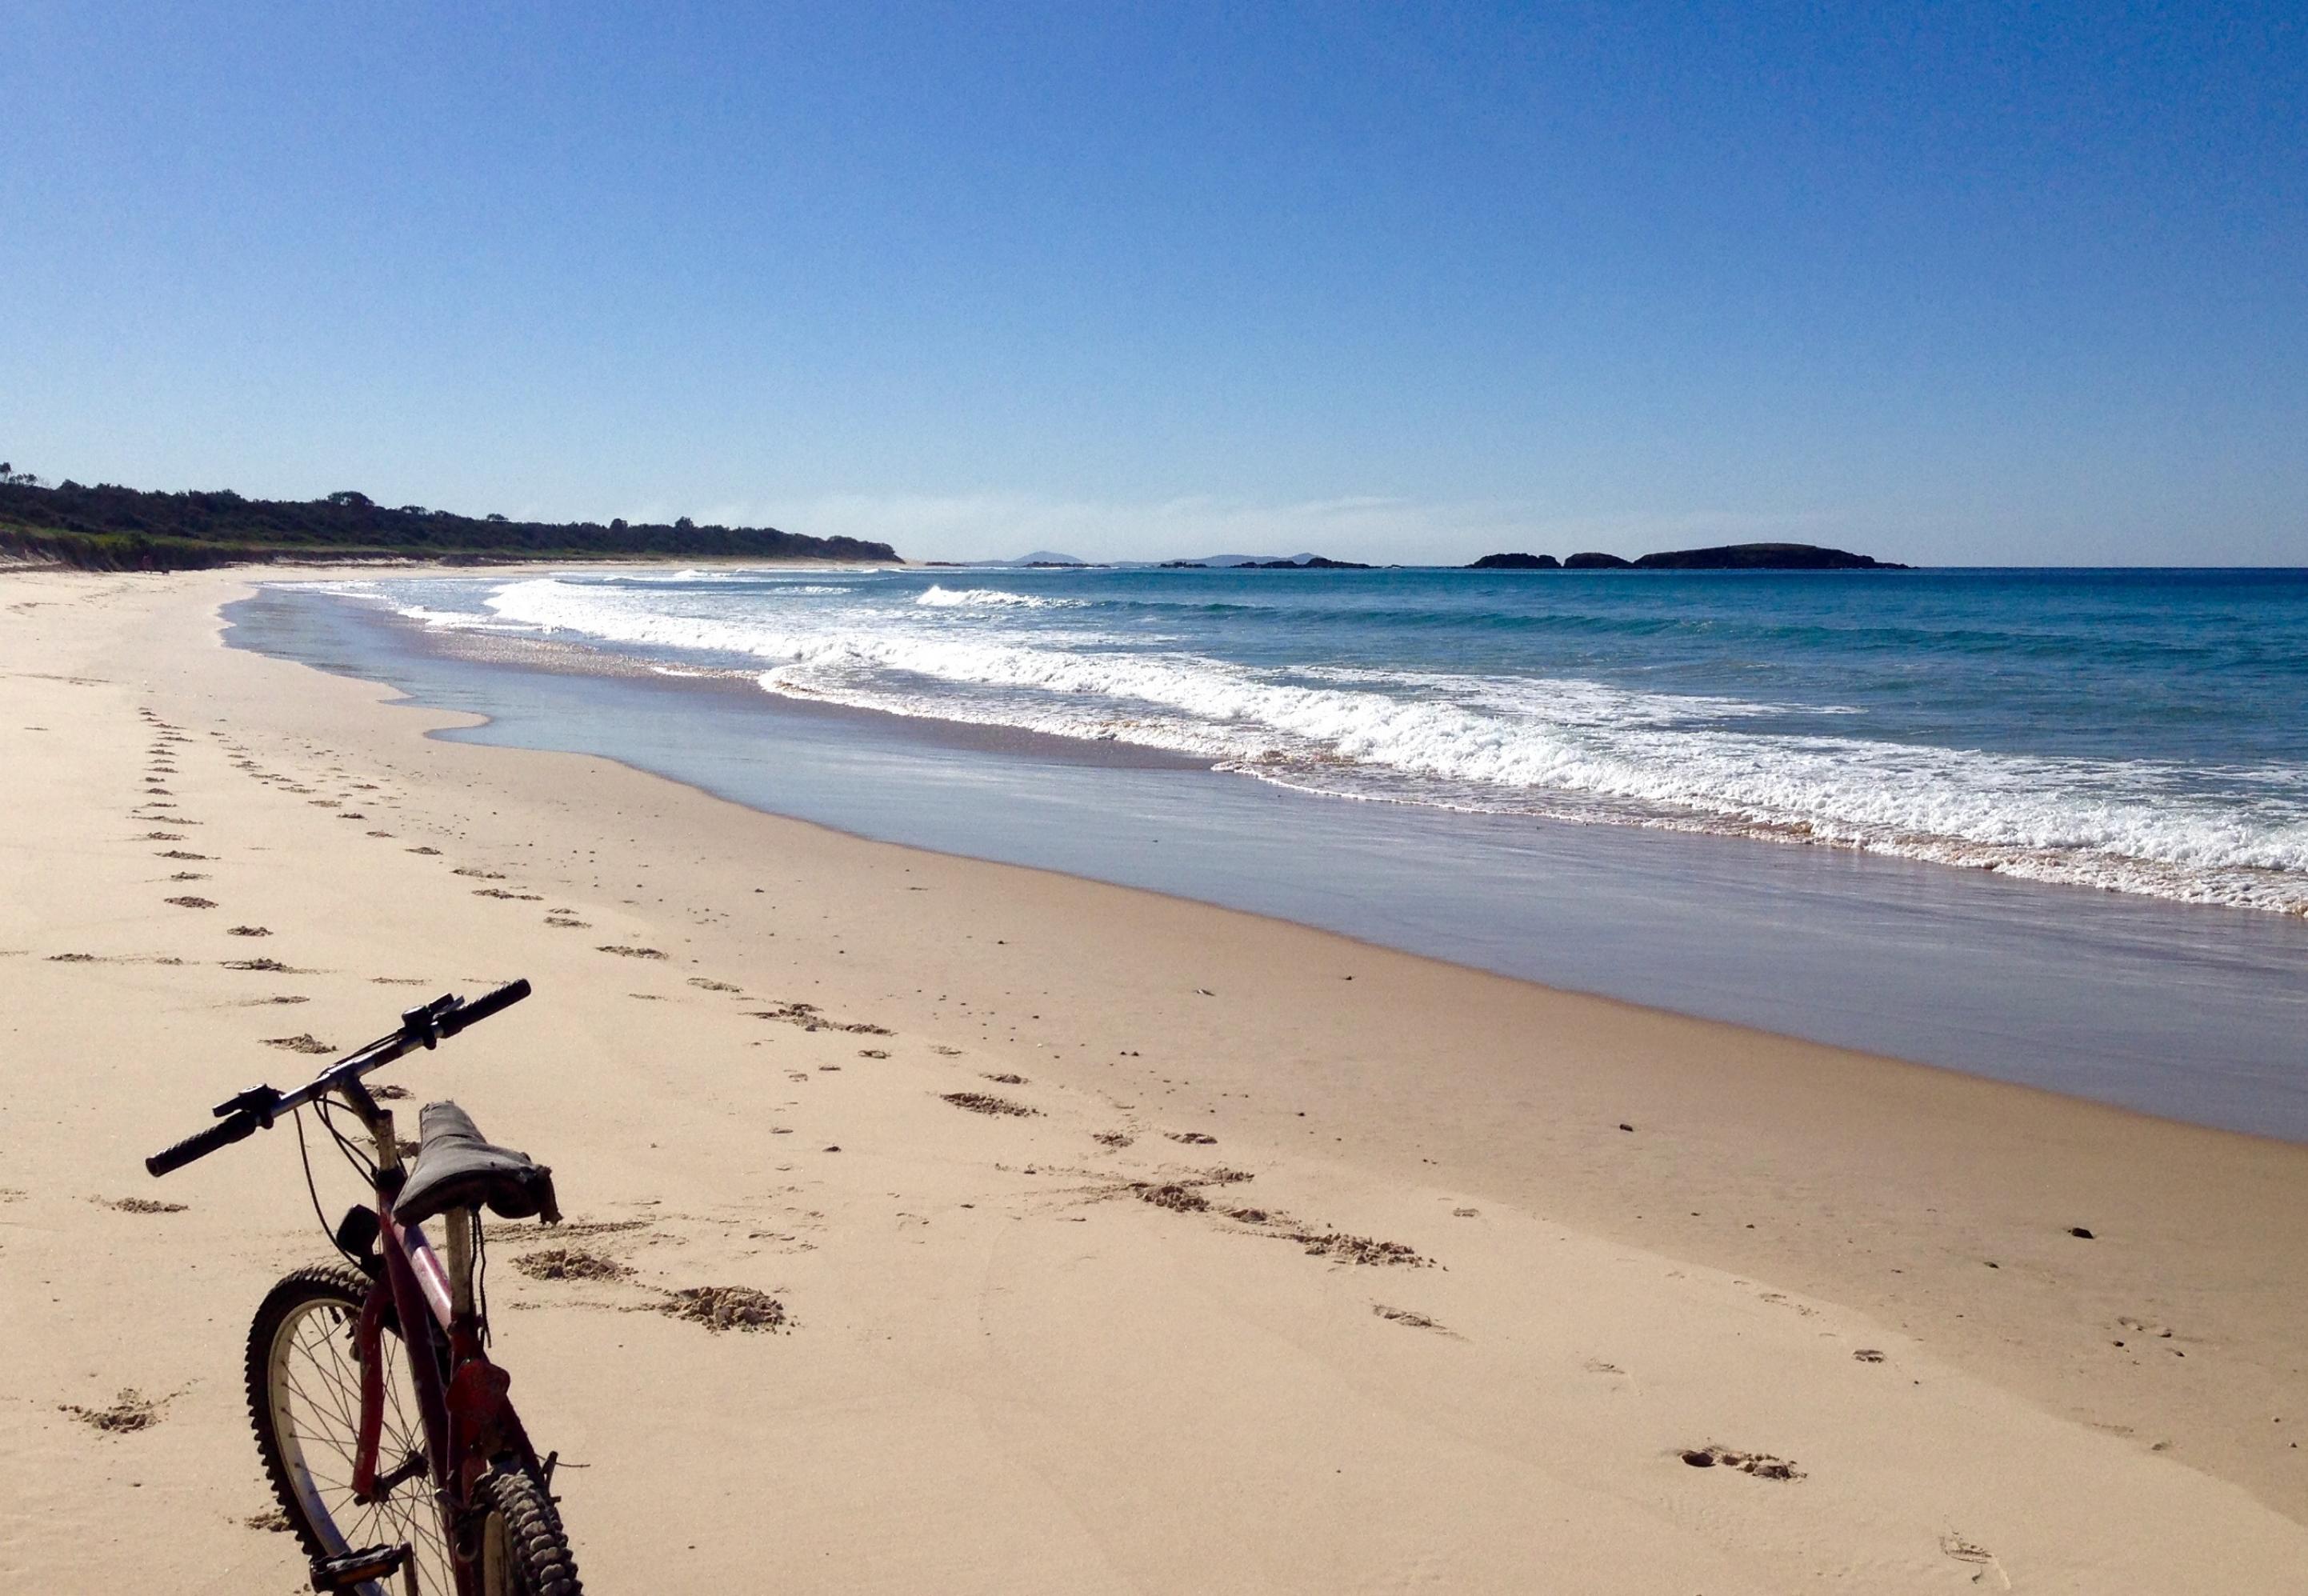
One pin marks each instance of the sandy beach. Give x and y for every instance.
(1251, 1258)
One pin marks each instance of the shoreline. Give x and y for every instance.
(584, 659)
(2084, 993)
(1776, 1204)
(1478, 756)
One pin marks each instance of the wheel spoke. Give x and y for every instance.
(315, 1399)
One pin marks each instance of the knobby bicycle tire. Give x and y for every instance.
(300, 1409)
(524, 1550)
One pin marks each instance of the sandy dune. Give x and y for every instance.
(1305, 1266)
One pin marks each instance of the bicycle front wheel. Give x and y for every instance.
(304, 1402)
(524, 1551)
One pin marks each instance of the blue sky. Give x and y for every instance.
(1948, 283)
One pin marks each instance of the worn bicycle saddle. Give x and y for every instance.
(456, 1169)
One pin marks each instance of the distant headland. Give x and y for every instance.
(1729, 556)
(127, 528)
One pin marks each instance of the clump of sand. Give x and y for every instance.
(726, 1307)
(569, 1264)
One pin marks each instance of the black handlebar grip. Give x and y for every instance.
(224, 1133)
(483, 1007)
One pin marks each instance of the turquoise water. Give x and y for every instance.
(2141, 731)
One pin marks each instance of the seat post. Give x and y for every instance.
(460, 1239)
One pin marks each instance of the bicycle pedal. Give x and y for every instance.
(345, 1572)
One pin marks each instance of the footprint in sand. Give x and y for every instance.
(304, 1041)
(1176, 1195)
(130, 1412)
(1964, 1551)
(1341, 1247)
(1415, 1320)
(1762, 1466)
(982, 1102)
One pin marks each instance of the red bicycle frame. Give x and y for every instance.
(469, 1425)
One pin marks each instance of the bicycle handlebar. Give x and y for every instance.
(201, 1144)
(255, 1109)
(483, 1007)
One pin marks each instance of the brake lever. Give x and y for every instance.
(423, 1023)
(259, 1100)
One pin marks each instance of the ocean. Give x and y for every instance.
(1823, 803)
(2139, 731)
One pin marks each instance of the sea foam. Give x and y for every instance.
(1562, 745)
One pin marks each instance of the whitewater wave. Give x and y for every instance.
(938, 598)
(1566, 747)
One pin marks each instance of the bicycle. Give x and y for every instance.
(375, 1406)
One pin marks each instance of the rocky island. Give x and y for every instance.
(1729, 556)
(1312, 562)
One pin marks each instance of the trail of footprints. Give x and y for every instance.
(718, 1308)
(561, 1267)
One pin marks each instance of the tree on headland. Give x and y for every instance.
(114, 528)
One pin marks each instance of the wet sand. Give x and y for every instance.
(1308, 1265)
(2188, 1011)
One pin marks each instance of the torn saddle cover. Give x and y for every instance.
(456, 1169)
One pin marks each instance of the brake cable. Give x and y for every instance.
(353, 1156)
(313, 1190)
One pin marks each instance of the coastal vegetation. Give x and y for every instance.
(110, 527)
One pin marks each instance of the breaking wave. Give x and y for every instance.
(1557, 745)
